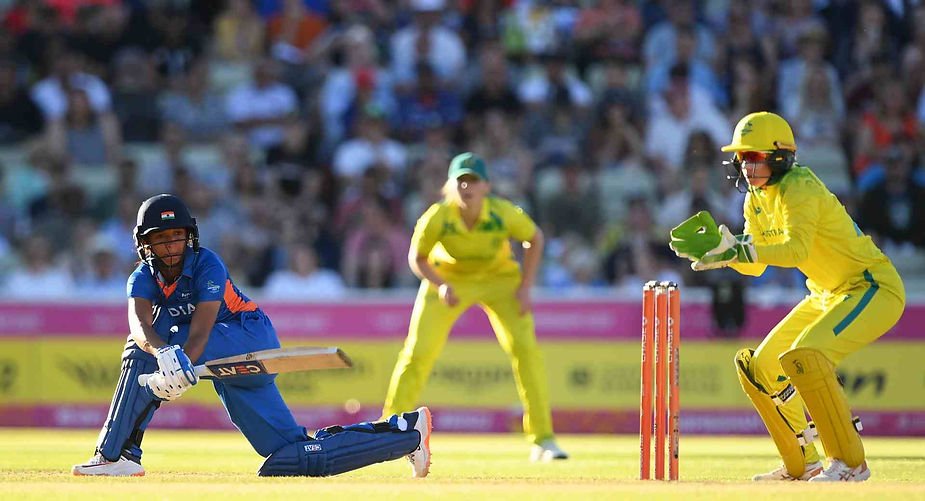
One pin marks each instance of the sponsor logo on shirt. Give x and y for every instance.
(212, 287)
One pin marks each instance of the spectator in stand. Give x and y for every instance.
(608, 29)
(427, 103)
(104, 274)
(792, 24)
(124, 220)
(748, 90)
(636, 251)
(375, 252)
(39, 276)
(158, 172)
(745, 41)
(44, 32)
(574, 207)
(426, 40)
(869, 39)
(481, 20)
(555, 81)
(494, 88)
(506, 154)
(817, 113)
(303, 279)
(891, 121)
(699, 193)
(700, 73)
(238, 33)
(292, 31)
(194, 107)
(21, 117)
(53, 94)
(669, 128)
(82, 136)
(892, 208)
(180, 41)
(792, 72)
(134, 96)
(340, 96)
(537, 27)
(424, 188)
(660, 41)
(372, 146)
(261, 108)
(913, 59)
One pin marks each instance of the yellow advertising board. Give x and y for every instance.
(470, 373)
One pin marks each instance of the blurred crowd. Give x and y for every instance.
(307, 136)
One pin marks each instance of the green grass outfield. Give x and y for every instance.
(35, 464)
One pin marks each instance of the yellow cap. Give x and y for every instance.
(762, 131)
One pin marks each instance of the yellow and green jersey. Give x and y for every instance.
(455, 251)
(799, 223)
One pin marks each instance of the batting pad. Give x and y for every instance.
(813, 375)
(785, 437)
(339, 449)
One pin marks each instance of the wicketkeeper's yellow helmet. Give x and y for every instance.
(762, 131)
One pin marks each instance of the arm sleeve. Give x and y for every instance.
(750, 269)
(211, 279)
(427, 231)
(141, 284)
(520, 225)
(799, 206)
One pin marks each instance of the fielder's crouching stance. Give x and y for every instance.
(856, 295)
(181, 295)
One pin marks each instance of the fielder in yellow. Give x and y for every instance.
(462, 253)
(855, 296)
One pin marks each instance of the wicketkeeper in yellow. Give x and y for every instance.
(855, 296)
(461, 250)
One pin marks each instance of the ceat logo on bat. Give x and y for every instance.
(238, 369)
(167, 214)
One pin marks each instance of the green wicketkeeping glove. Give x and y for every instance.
(695, 237)
(731, 249)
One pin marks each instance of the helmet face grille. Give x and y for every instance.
(163, 212)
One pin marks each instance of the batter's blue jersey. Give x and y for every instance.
(204, 278)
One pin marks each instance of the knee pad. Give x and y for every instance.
(789, 442)
(813, 375)
(132, 408)
(340, 449)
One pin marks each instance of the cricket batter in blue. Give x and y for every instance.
(184, 308)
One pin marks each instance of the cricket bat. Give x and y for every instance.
(304, 358)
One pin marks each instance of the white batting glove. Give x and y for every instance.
(163, 390)
(176, 367)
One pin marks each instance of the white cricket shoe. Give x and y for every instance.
(420, 457)
(838, 471)
(812, 469)
(546, 451)
(98, 465)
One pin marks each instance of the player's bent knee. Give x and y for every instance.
(764, 367)
(339, 452)
(790, 443)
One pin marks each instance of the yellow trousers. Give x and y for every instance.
(836, 323)
(431, 322)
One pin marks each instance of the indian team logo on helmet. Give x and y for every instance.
(167, 215)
